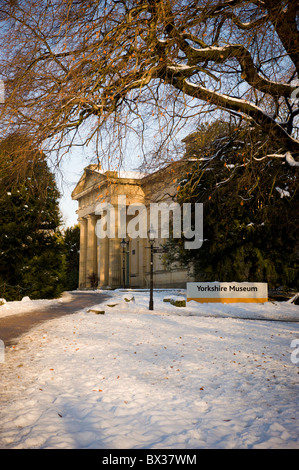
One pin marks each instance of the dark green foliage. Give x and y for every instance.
(32, 259)
(250, 231)
(44, 277)
(72, 248)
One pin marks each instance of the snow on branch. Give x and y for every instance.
(289, 159)
(282, 192)
(249, 72)
(249, 110)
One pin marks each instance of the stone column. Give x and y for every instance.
(103, 266)
(91, 257)
(115, 262)
(83, 250)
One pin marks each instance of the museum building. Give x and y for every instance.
(113, 261)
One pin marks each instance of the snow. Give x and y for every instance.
(282, 192)
(130, 174)
(179, 67)
(194, 377)
(290, 160)
(26, 305)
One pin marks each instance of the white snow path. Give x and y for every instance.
(173, 378)
(26, 304)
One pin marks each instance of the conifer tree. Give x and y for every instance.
(72, 247)
(31, 246)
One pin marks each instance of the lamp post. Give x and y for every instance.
(151, 235)
(123, 244)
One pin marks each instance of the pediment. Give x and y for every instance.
(91, 177)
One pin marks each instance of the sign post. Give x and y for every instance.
(227, 292)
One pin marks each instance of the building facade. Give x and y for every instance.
(122, 261)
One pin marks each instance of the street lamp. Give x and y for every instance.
(123, 244)
(151, 237)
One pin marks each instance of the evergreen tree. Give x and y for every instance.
(31, 247)
(250, 206)
(72, 247)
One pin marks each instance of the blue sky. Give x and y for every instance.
(69, 173)
(67, 176)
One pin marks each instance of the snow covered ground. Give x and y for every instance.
(196, 377)
(26, 304)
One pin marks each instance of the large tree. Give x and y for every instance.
(250, 211)
(32, 258)
(72, 248)
(150, 67)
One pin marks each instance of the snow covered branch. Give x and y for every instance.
(288, 158)
(249, 71)
(248, 109)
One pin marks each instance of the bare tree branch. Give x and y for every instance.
(149, 67)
